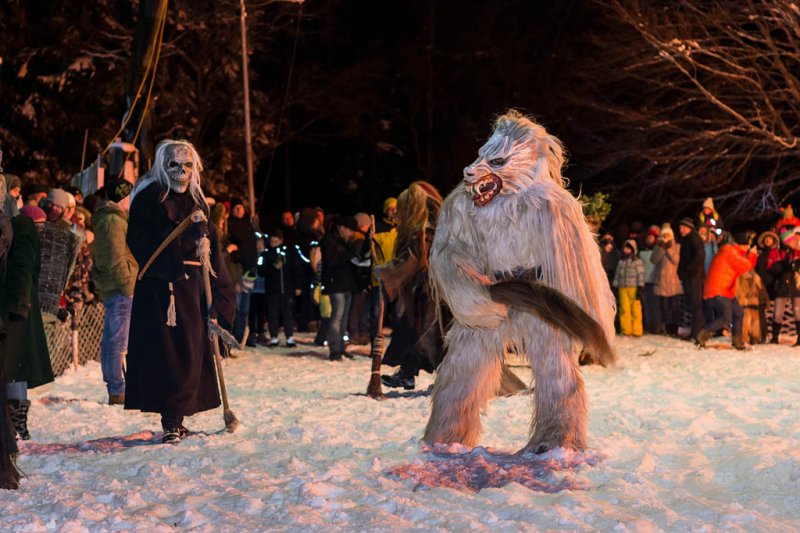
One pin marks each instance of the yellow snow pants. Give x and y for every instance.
(630, 312)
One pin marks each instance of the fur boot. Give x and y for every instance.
(738, 341)
(18, 411)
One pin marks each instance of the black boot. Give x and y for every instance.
(399, 379)
(797, 329)
(738, 341)
(703, 336)
(18, 411)
(776, 332)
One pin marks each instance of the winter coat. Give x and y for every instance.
(710, 249)
(665, 262)
(610, 260)
(24, 351)
(280, 268)
(750, 291)
(171, 369)
(730, 262)
(115, 269)
(363, 273)
(649, 267)
(417, 342)
(783, 266)
(763, 273)
(692, 262)
(385, 236)
(630, 272)
(338, 271)
(242, 234)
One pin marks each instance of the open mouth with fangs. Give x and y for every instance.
(485, 189)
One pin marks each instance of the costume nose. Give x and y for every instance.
(469, 173)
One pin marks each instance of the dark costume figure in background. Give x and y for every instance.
(9, 475)
(170, 362)
(24, 354)
(417, 338)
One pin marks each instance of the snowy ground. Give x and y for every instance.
(681, 439)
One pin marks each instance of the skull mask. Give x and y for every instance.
(179, 167)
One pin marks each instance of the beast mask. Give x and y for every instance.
(518, 153)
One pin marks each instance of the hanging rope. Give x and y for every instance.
(151, 67)
(283, 108)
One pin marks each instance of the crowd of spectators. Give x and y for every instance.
(311, 271)
(706, 280)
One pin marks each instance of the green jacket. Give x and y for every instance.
(114, 270)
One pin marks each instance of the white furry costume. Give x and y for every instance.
(513, 218)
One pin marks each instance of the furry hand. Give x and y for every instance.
(471, 272)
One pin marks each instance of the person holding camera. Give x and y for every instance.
(667, 285)
(731, 261)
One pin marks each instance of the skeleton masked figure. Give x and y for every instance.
(170, 362)
(513, 224)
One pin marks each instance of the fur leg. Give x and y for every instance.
(560, 400)
(466, 380)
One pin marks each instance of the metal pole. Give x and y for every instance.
(247, 133)
(83, 153)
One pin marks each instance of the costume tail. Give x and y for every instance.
(558, 310)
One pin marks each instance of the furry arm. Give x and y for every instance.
(456, 271)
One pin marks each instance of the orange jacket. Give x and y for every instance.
(730, 262)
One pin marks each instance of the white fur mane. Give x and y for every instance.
(158, 174)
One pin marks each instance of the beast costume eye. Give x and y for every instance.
(498, 161)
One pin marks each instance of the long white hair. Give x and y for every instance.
(158, 174)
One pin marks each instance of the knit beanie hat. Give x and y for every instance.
(687, 221)
(59, 197)
(666, 232)
(654, 230)
(630, 243)
(34, 213)
(389, 203)
(788, 233)
(118, 189)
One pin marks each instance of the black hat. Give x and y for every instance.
(744, 237)
(276, 232)
(118, 189)
(349, 222)
(687, 221)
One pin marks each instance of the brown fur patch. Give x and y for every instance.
(558, 310)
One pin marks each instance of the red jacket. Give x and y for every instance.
(728, 264)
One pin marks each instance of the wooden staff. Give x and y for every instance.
(374, 389)
(231, 422)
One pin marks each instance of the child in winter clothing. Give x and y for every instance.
(752, 296)
(629, 279)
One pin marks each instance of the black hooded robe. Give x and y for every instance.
(170, 370)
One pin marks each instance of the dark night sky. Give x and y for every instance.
(382, 93)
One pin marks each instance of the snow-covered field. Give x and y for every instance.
(681, 439)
